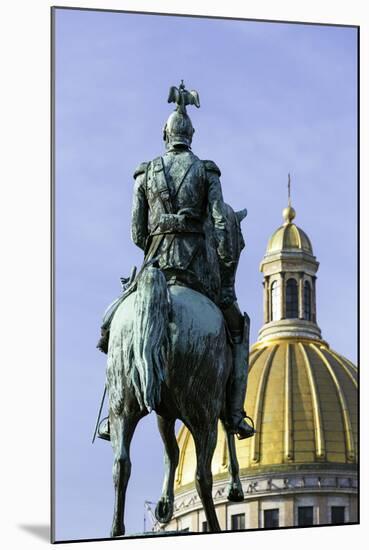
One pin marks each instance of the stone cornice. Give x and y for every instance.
(329, 480)
(293, 328)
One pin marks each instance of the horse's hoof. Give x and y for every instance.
(235, 493)
(117, 532)
(164, 510)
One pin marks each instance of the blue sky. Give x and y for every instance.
(275, 98)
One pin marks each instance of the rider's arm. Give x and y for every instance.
(139, 220)
(218, 212)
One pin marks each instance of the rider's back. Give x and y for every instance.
(177, 205)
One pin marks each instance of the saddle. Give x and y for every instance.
(128, 286)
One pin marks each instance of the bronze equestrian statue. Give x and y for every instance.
(176, 340)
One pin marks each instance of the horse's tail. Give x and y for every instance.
(150, 337)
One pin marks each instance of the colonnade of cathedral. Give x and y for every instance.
(289, 296)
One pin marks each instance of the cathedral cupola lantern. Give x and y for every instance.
(289, 267)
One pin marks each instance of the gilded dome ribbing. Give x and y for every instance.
(302, 397)
(289, 237)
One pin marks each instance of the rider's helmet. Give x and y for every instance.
(178, 130)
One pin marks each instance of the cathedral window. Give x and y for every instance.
(337, 515)
(307, 301)
(237, 522)
(305, 515)
(292, 309)
(275, 299)
(271, 518)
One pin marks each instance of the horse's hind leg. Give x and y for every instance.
(205, 442)
(164, 508)
(235, 491)
(121, 432)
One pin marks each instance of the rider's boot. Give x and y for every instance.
(237, 393)
(103, 431)
(239, 328)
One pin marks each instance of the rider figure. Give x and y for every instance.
(174, 196)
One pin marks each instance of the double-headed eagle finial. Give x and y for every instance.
(183, 97)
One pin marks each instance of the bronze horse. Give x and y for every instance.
(168, 352)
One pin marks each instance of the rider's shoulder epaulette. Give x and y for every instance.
(210, 166)
(141, 168)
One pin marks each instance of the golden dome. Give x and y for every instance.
(289, 237)
(302, 397)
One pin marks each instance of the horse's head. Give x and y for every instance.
(234, 220)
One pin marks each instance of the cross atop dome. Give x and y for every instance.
(289, 213)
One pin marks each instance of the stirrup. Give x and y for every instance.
(243, 429)
(103, 431)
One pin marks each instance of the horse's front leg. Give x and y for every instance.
(235, 491)
(164, 508)
(121, 431)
